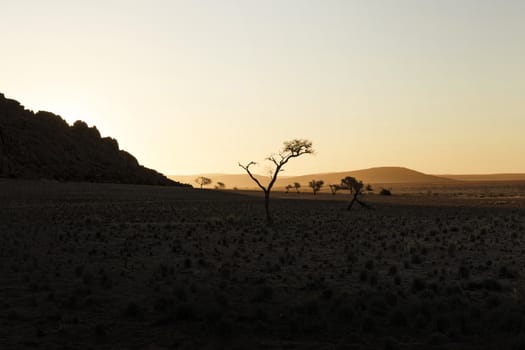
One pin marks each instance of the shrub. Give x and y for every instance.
(385, 192)
(397, 280)
(132, 310)
(505, 272)
(438, 339)
(463, 272)
(224, 329)
(368, 324)
(345, 313)
(392, 270)
(185, 312)
(418, 284)
(391, 344)
(264, 293)
(100, 330)
(398, 319)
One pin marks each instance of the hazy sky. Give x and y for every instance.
(196, 86)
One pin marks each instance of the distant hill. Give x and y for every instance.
(379, 175)
(44, 146)
(486, 177)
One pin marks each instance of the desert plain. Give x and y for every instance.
(104, 266)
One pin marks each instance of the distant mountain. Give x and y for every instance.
(43, 145)
(379, 175)
(486, 177)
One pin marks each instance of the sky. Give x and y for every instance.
(198, 86)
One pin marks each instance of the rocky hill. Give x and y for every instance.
(44, 146)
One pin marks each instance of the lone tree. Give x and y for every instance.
(297, 186)
(288, 188)
(203, 181)
(346, 184)
(291, 149)
(316, 185)
(356, 188)
(385, 192)
(220, 186)
(334, 188)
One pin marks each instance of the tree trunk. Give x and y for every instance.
(364, 205)
(352, 202)
(267, 207)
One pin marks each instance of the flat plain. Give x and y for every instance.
(101, 266)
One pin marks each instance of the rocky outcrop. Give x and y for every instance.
(43, 145)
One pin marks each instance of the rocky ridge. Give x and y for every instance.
(42, 145)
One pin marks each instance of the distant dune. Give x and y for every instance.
(379, 175)
(486, 177)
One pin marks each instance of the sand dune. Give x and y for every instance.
(379, 175)
(486, 177)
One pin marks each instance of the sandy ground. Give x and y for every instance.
(138, 267)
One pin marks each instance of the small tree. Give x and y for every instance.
(369, 189)
(220, 186)
(356, 187)
(334, 188)
(291, 149)
(288, 188)
(385, 192)
(346, 183)
(297, 186)
(203, 181)
(316, 185)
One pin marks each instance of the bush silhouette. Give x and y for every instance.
(385, 192)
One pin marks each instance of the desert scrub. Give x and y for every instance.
(132, 310)
(392, 270)
(368, 324)
(263, 293)
(398, 319)
(418, 284)
(463, 272)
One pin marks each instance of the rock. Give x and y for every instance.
(42, 145)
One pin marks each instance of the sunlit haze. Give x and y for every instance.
(197, 86)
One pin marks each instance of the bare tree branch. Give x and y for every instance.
(291, 149)
(247, 168)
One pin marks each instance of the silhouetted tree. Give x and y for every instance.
(288, 188)
(356, 188)
(203, 181)
(346, 183)
(220, 186)
(291, 149)
(385, 192)
(369, 188)
(316, 185)
(297, 186)
(334, 188)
